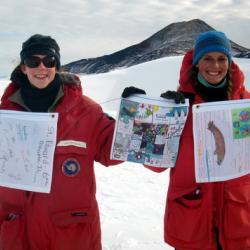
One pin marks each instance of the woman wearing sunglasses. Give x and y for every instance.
(67, 217)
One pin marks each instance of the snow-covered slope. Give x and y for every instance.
(132, 198)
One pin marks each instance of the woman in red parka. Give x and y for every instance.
(207, 216)
(67, 217)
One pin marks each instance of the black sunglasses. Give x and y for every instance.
(34, 61)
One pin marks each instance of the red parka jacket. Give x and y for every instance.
(67, 218)
(194, 210)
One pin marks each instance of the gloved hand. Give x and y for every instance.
(128, 91)
(178, 97)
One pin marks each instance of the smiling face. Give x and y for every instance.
(213, 67)
(40, 76)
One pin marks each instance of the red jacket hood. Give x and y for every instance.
(237, 78)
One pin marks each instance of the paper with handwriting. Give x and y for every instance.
(222, 140)
(27, 148)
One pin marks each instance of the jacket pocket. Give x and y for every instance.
(12, 232)
(186, 217)
(73, 182)
(81, 157)
(73, 229)
(72, 217)
(237, 212)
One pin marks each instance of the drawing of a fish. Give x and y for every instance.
(220, 148)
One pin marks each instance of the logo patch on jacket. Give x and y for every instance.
(71, 167)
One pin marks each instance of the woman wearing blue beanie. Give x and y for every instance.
(215, 215)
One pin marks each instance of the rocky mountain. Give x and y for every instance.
(175, 39)
(245, 54)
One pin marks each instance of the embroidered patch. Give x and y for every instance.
(71, 167)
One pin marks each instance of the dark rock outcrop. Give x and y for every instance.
(175, 39)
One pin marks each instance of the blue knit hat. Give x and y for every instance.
(211, 41)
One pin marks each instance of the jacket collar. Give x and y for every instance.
(17, 98)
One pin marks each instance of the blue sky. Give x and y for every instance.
(93, 28)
